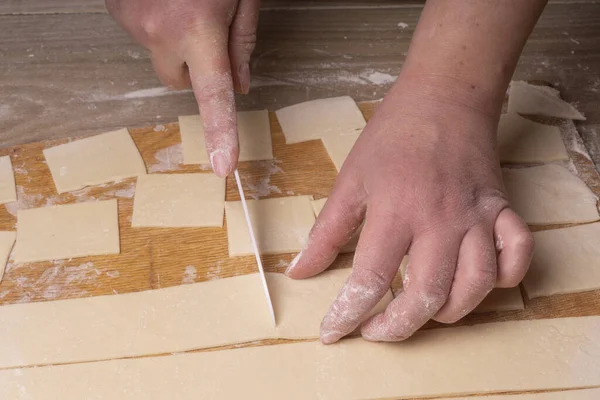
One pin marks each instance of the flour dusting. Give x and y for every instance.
(113, 274)
(402, 25)
(24, 201)
(263, 186)
(378, 78)
(189, 275)
(159, 128)
(167, 159)
(214, 272)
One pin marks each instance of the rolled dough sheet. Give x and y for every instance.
(315, 119)
(523, 355)
(254, 132)
(338, 147)
(67, 231)
(99, 159)
(8, 191)
(499, 299)
(175, 319)
(350, 247)
(549, 194)
(179, 200)
(523, 141)
(281, 225)
(582, 394)
(565, 261)
(529, 99)
(7, 240)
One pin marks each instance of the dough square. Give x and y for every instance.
(67, 231)
(549, 194)
(543, 101)
(523, 141)
(8, 191)
(7, 240)
(564, 261)
(281, 225)
(316, 119)
(179, 200)
(338, 147)
(254, 130)
(99, 159)
(350, 247)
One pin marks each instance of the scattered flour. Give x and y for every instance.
(282, 264)
(263, 187)
(167, 159)
(214, 272)
(402, 25)
(189, 275)
(159, 128)
(24, 201)
(378, 78)
(113, 274)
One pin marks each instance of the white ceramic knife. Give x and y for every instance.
(255, 246)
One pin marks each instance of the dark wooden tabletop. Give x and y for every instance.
(67, 69)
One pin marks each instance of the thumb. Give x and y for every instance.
(242, 40)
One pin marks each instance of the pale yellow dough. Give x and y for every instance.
(201, 315)
(582, 394)
(254, 132)
(7, 240)
(281, 225)
(67, 231)
(316, 119)
(99, 159)
(8, 190)
(529, 99)
(549, 194)
(565, 261)
(523, 141)
(179, 200)
(338, 147)
(486, 358)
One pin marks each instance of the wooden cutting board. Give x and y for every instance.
(155, 258)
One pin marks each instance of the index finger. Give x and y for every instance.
(210, 73)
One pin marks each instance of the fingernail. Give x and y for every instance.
(293, 263)
(244, 77)
(330, 337)
(220, 163)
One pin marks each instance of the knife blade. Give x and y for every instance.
(255, 246)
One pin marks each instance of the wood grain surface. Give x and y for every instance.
(153, 258)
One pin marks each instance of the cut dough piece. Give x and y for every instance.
(549, 194)
(281, 225)
(565, 261)
(499, 299)
(8, 190)
(317, 206)
(581, 394)
(316, 119)
(254, 132)
(523, 141)
(7, 240)
(208, 314)
(464, 357)
(338, 147)
(179, 200)
(529, 99)
(67, 231)
(99, 159)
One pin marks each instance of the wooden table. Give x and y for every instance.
(153, 258)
